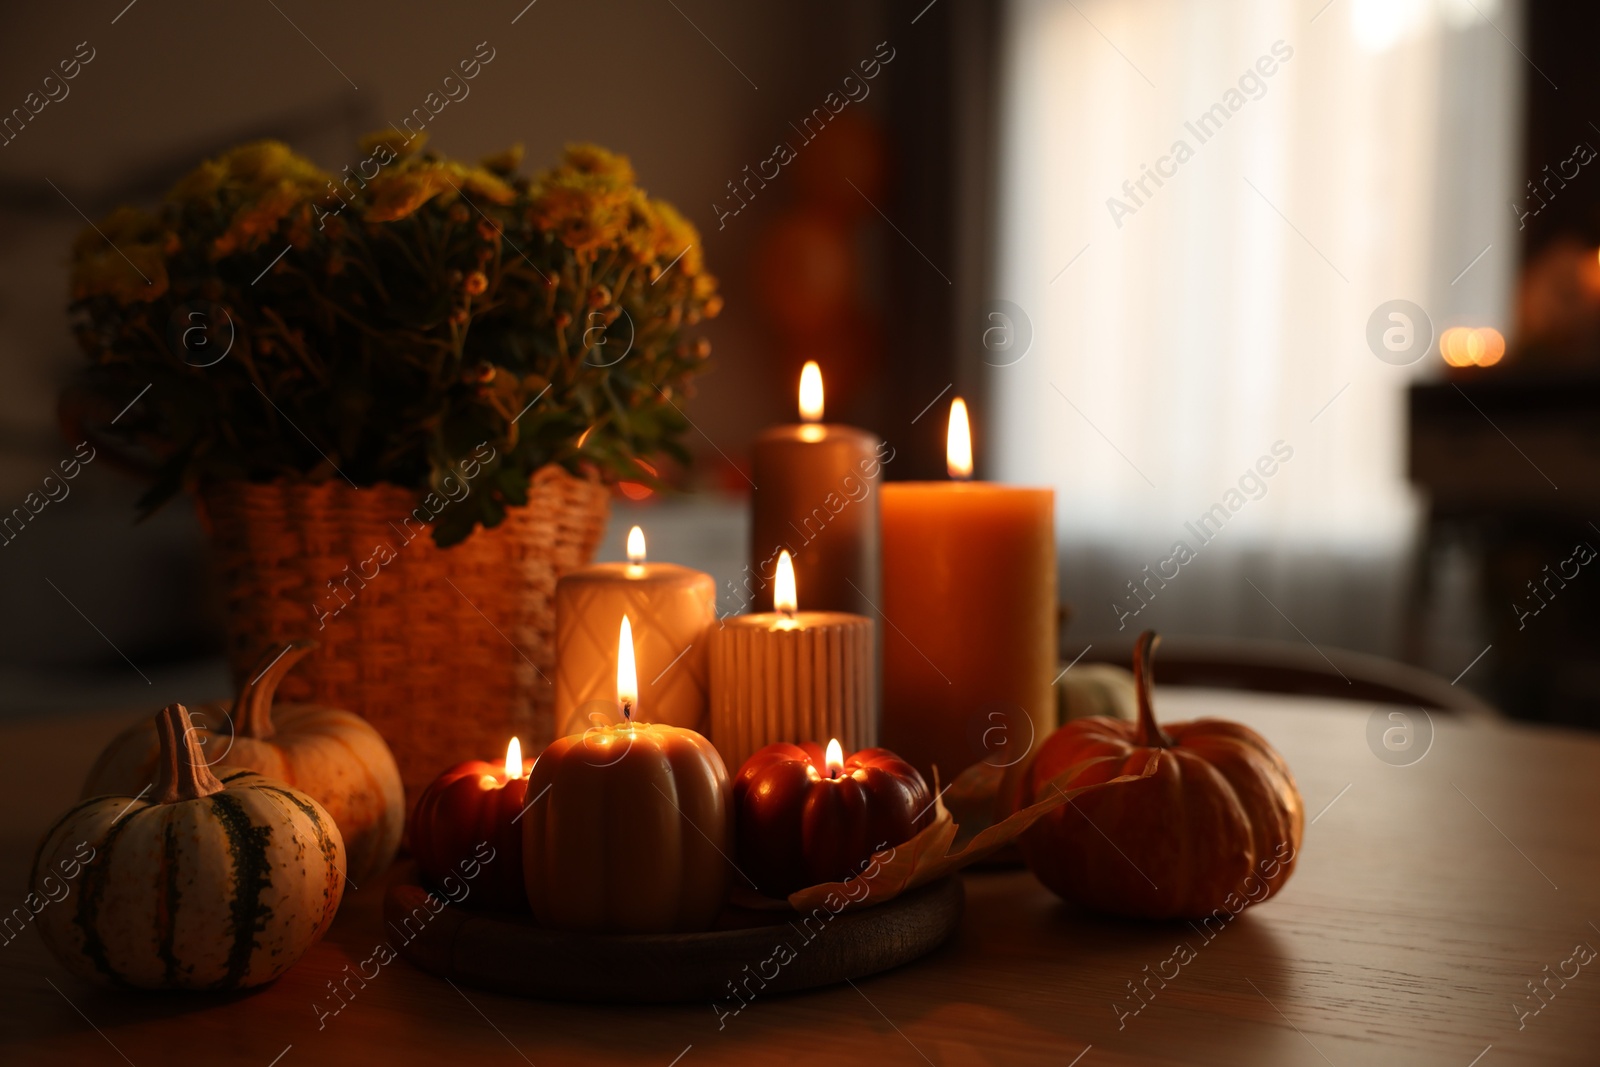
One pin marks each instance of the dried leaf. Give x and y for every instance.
(927, 857)
(972, 797)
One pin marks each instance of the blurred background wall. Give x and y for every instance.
(949, 231)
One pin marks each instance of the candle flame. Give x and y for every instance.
(627, 675)
(811, 392)
(958, 442)
(636, 546)
(784, 597)
(835, 758)
(514, 759)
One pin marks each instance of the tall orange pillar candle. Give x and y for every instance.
(675, 607)
(969, 602)
(816, 497)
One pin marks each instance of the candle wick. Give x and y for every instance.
(627, 710)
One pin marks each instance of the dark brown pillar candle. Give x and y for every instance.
(816, 495)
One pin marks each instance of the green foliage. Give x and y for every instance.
(383, 328)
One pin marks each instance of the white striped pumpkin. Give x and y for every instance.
(334, 755)
(202, 883)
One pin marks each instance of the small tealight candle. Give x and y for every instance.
(791, 675)
(467, 819)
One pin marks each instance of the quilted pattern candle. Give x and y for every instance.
(672, 608)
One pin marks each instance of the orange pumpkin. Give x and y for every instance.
(1217, 826)
(336, 756)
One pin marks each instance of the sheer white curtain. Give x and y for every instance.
(1202, 203)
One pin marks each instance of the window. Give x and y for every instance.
(1201, 206)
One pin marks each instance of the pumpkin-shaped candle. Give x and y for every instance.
(806, 817)
(474, 804)
(634, 828)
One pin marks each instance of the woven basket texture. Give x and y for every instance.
(448, 652)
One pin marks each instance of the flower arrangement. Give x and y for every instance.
(384, 324)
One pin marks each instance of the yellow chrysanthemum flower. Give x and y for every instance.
(504, 163)
(583, 213)
(599, 162)
(128, 273)
(124, 225)
(262, 164)
(397, 194)
(673, 234)
(124, 256)
(480, 183)
(203, 182)
(256, 219)
(400, 144)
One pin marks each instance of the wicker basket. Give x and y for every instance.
(448, 652)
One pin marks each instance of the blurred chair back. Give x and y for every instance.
(1298, 669)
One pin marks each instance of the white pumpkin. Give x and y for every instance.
(200, 883)
(336, 756)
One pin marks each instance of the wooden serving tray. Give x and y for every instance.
(508, 953)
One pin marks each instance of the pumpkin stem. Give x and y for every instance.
(184, 773)
(252, 708)
(1149, 735)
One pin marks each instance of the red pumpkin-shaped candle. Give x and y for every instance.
(805, 818)
(1216, 826)
(472, 803)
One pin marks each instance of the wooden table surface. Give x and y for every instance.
(1427, 898)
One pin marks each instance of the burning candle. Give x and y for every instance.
(467, 818)
(816, 498)
(791, 675)
(634, 827)
(808, 816)
(674, 607)
(969, 599)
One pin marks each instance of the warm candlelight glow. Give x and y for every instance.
(636, 546)
(784, 597)
(811, 392)
(514, 759)
(1493, 346)
(627, 675)
(958, 442)
(835, 758)
(1464, 346)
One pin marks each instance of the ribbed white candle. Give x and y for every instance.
(806, 677)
